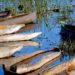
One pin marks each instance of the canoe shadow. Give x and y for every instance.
(27, 27)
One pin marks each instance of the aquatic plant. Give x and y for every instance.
(68, 46)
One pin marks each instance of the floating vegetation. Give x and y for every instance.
(20, 7)
(68, 46)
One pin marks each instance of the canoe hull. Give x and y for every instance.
(5, 14)
(10, 29)
(18, 37)
(9, 51)
(19, 19)
(24, 68)
(67, 33)
(19, 43)
(20, 59)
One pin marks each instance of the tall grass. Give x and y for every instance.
(41, 6)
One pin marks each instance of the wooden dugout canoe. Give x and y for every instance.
(66, 66)
(9, 51)
(20, 19)
(18, 37)
(7, 29)
(14, 60)
(19, 43)
(67, 30)
(43, 68)
(4, 14)
(24, 68)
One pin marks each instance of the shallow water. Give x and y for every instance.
(50, 37)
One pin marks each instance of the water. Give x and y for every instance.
(48, 24)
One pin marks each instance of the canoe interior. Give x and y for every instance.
(28, 26)
(70, 27)
(7, 72)
(67, 32)
(19, 15)
(4, 14)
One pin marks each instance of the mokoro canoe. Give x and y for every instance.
(18, 37)
(5, 14)
(67, 31)
(23, 18)
(9, 51)
(66, 66)
(19, 43)
(43, 68)
(7, 29)
(25, 68)
(8, 62)
(8, 71)
(36, 72)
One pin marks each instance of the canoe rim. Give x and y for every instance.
(67, 28)
(20, 15)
